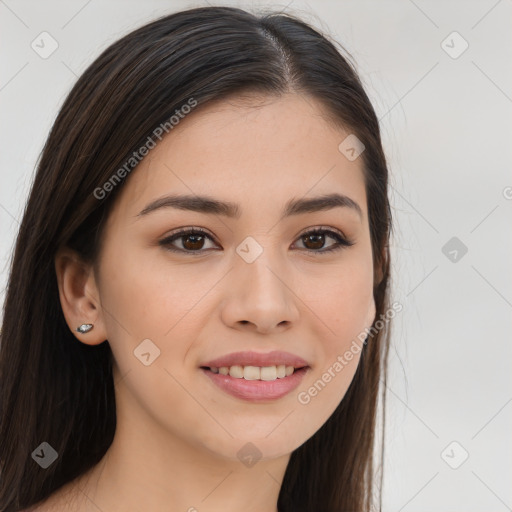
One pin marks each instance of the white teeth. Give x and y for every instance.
(255, 372)
(236, 371)
(249, 373)
(268, 373)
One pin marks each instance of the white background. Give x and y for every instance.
(447, 129)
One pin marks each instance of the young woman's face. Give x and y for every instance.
(250, 282)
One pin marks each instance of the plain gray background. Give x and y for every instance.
(447, 125)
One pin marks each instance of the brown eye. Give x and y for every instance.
(314, 240)
(192, 241)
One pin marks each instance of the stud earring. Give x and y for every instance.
(84, 328)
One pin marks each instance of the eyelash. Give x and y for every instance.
(342, 242)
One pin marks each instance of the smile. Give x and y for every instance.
(255, 372)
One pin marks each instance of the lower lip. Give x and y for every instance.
(257, 390)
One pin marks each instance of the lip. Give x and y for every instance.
(274, 358)
(257, 390)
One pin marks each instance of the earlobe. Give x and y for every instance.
(79, 297)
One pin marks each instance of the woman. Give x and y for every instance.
(196, 313)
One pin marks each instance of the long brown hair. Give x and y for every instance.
(57, 390)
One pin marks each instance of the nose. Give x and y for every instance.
(260, 297)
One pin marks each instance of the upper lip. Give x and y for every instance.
(275, 358)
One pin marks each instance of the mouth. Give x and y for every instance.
(262, 373)
(256, 376)
(256, 384)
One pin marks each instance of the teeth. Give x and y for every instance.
(268, 373)
(248, 373)
(255, 372)
(237, 372)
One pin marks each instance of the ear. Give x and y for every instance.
(79, 296)
(380, 265)
(372, 312)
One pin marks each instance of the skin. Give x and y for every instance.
(177, 437)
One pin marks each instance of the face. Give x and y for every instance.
(255, 279)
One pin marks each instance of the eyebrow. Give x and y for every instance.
(210, 205)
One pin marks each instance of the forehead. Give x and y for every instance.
(252, 150)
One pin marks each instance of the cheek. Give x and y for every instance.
(344, 308)
(342, 299)
(149, 295)
(147, 298)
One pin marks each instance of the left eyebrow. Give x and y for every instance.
(210, 205)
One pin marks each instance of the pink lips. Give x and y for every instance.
(257, 390)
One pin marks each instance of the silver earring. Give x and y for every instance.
(84, 328)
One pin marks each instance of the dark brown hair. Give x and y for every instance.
(55, 389)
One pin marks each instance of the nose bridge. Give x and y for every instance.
(260, 266)
(259, 292)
